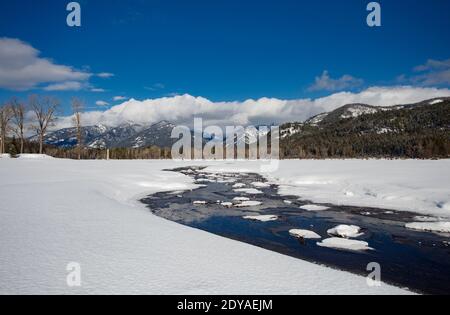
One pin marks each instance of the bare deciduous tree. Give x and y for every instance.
(77, 108)
(44, 109)
(18, 110)
(5, 118)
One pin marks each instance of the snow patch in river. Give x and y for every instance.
(262, 218)
(314, 208)
(249, 191)
(345, 231)
(345, 244)
(260, 185)
(249, 204)
(304, 234)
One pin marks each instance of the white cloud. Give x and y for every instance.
(98, 90)
(21, 68)
(433, 64)
(101, 103)
(119, 98)
(155, 87)
(327, 83)
(65, 86)
(182, 109)
(105, 75)
(432, 73)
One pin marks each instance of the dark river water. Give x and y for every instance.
(416, 260)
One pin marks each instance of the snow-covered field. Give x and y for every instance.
(53, 212)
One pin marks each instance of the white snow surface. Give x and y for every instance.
(54, 212)
(260, 185)
(34, 156)
(314, 208)
(443, 227)
(345, 244)
(249, 191)
(420, 186)
(262, 218)
(436, 102)
(346, 231)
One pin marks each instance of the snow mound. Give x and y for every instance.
(199, 202)
(314, 208)
(249, 204)
(249, 191)
(344, 244)
(305, 234)
(5, 156)
(239, 185)
(241, 199)
(288, 202)
(262, 218)
(443, 227)
(346, 231)
(227, 204)
(34, 156)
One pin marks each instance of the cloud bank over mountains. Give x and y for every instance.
(184, 108)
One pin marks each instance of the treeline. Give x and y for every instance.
(151, 153)
(18, 118)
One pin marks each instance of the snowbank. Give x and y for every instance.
(54, 212)
(412, 185)
(34, 156)
(443, 227)
(344, 244)
(5, 156)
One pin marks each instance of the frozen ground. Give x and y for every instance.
(53, 212)
(413, 185)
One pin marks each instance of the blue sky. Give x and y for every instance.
(227, 50)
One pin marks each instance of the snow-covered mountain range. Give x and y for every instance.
(131, 135)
